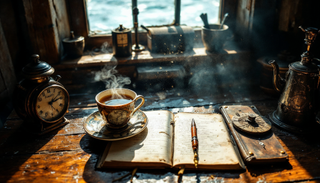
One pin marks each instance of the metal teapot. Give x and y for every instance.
(299, 103)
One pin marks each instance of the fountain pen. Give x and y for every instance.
(194, 140)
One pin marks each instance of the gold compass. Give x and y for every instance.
(251, 123)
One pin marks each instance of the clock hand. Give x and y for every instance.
(52, 107)
(52, 100)
(56, 99)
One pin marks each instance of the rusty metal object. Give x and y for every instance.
(254, 147)
(214, 38)
(299, 102)
(266, 84)
(170, 39)
(73, 45)
(161, 77)
(136, 47)
(121, 41)
(251, 123)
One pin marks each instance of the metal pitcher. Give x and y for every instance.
(299, 103)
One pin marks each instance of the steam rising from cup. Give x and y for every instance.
(109, 75)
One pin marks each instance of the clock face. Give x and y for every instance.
(52, 103)
(122, 40)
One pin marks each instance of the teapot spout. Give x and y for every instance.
(278, 81)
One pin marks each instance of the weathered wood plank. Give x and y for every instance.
(228, 6)
(147, 57)
(59, 167)
(9, 128)
(46, 31)
(60, 19)
(78, 17)
(61, 164)
(44, 145)
(15, 127)
(71, 139)
(296, 169)
(11, 25)
(243, 18)
(41, 30)
(8, 77)
(74, 127)
(69, 153)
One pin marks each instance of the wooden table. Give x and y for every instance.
(70, 155)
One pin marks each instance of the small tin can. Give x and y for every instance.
(73, 45)
(121, 41)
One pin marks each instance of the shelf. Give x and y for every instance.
(143, 57)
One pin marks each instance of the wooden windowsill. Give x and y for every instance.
(146, 57)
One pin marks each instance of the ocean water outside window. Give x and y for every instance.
(191, 10)
(106, 15)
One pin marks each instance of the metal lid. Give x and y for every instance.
(73, 38)
(308, 68)
(37, 68)
(121, 29)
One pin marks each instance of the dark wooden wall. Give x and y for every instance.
(33, 26)
(10, 49)
(28, 27)
(46, 24)
(271, 26)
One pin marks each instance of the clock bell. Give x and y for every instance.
(40, 100)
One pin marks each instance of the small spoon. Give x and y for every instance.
(224, 19)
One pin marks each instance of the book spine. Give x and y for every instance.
(243, 150)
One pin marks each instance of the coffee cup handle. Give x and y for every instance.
(140, 105)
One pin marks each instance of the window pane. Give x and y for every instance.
(155, 12)
(105, 15)
(191, 10)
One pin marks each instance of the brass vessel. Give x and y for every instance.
(299, 102)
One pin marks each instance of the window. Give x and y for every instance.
(105, 15)
(80, 12)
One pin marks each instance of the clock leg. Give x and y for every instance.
(50, 127)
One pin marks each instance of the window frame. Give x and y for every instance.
(79, 22)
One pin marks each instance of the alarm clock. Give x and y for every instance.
(40, 100)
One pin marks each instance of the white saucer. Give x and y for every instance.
(96, 127)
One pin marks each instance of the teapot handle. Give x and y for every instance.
(278, 81)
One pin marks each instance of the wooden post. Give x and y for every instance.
(47, 25)
(78, 17)
(7, 75)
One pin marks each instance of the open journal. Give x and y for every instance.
(166, 143)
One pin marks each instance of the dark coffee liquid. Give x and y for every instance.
(108, 100)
